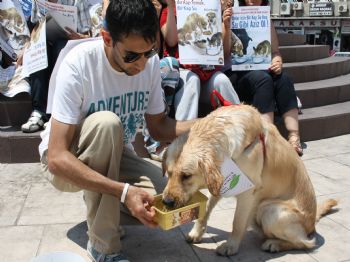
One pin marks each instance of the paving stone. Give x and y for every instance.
(205, 250)
(332, 172)
(21, 174)
(19, 243)
(64, 237)
(153, 245)
(46, 205)
(331, 146)
(46, 220)
(12, 198)
(310, 153)
(341, 212)
(325, 185)
(333, 242)
(341, 158)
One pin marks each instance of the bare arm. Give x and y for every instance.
(226, 31)
(64, 164)
(164, 128)
(276, 63)
(169, 30)
(157, 6)
(105, 4)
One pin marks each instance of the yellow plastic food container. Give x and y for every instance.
(174, 217)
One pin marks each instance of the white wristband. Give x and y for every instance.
(125, 191)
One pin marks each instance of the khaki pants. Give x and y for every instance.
(99, 144)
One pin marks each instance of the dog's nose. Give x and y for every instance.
(169, 202)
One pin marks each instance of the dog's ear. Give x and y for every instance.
(212, 176)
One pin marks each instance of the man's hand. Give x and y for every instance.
(139, 203)
(72, 35)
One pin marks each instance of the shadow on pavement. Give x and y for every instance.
(78, 234)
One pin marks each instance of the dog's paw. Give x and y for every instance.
(227, 248)
(196, 233)
(271, 245)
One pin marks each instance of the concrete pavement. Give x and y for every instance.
(36, 219)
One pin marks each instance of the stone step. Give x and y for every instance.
(325, 121)
(319, 69)
(302, 53)
(18, 147)
(324, 92)
(315, 123)
(291, 39)
(15, 111)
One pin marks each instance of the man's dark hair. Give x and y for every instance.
(242, 2)
(139, 17)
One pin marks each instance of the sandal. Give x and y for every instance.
(35, 122)
(159, 153)
(155, 148)
(294, 141)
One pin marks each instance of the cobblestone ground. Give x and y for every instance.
(35, 219)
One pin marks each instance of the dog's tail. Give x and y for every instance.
(325, 207)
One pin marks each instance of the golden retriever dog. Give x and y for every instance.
(282, 203)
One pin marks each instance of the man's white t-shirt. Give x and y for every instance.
(86, 83)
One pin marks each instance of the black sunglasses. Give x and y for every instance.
(131, 57)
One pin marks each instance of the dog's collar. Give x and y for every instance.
(262, 138)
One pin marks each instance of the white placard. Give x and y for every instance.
(235, 181)
(35, 55)
(199, 32)
(14, 32)
(65, 15)
(252, 25)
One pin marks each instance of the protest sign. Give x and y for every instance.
(95, 11)
(199, 32)
(251, 38)
(35, 54)
(65, 15)
(14, 32)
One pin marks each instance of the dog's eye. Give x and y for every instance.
(185, 177)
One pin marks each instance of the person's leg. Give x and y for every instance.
(186, 99)
(287, 105)
(39, 83)
(257, 89)
(99, 144)
(220, 82)
(141, 173)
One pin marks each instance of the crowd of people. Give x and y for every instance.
(115, 84)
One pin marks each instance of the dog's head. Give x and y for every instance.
(203, 24)
(193, 161)
(189, 168)
(211, 16)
